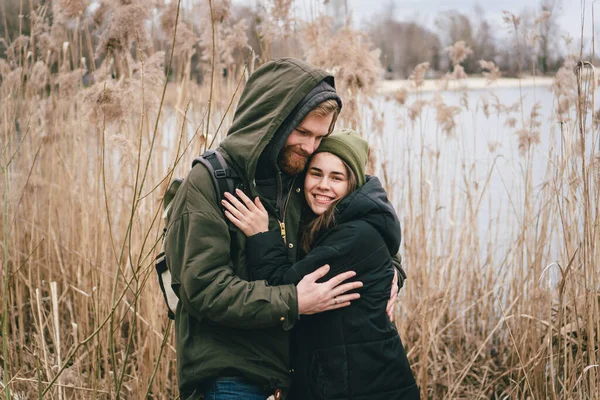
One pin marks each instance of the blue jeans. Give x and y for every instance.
(232, 388)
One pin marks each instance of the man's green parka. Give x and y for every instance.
(226, 325)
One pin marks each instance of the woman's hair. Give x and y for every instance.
(327, 219)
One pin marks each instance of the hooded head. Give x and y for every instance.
(306, 137)
(276, 100)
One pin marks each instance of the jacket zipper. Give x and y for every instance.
(282, 228)
(282, 221)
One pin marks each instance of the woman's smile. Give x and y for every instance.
(323, 199)
(326, 182)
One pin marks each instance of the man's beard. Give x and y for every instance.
(289, 162)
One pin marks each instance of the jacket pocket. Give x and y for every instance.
(328, 373)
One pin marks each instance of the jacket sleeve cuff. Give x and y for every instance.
(258, 245)
(289, 296)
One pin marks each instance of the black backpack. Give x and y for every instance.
(225, 179)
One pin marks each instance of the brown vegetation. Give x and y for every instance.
(100, 110)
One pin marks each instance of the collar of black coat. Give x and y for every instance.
(370, 203)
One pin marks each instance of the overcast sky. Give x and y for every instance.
(425, 11)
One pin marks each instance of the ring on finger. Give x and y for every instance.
(335, 300)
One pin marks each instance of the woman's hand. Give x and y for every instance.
(250, 217)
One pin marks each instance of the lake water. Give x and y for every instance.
(481, 149)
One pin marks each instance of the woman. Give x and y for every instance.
(353, 352)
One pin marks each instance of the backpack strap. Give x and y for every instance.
(164, 281)
(160, 262)
(225, 179)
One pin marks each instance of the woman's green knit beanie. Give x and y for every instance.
(350, 147)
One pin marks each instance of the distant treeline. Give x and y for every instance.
(530, 42)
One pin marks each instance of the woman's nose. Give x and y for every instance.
(323, 184)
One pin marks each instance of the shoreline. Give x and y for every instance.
(387, 87)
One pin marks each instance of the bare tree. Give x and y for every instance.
(454, 26)
(548, 31)
(403, 44)
(239, 12)
(338, 9)
(518, 51)
(484, 42)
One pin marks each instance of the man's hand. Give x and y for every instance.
(316, 297)
(393, 295)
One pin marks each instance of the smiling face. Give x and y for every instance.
(303, 141)
(326, 182)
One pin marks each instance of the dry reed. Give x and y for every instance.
(89, 142)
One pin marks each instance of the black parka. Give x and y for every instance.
(353, 352)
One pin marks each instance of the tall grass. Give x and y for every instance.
(91, 137)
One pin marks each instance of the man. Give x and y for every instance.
(232, 332)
